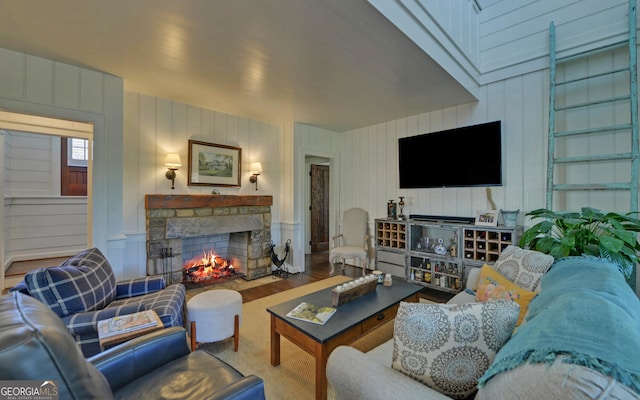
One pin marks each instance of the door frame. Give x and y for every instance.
(16, 121)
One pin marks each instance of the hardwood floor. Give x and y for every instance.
(317, 268)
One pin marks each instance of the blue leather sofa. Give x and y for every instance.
(36, 348)
(83, 290)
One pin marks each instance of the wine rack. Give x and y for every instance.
(484, 245)
(391, 244)
(391, 234)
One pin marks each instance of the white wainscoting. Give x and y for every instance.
(43, 227)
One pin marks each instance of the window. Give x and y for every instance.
(77, 152)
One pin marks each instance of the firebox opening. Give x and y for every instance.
(214, 258)
(208, 267)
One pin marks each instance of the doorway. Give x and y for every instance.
(38, 222)
(319, 208)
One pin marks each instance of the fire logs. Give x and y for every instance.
(208, 268)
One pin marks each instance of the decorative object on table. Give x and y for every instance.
(391, 210)
(388, 281)
(440, 248)
(214, 164)
(353, 290)
(427, 244)
(487, 218)
(379, 275)
(312, 313)
(401, 204)
(492, 204)
(611, 236)
(509, 218)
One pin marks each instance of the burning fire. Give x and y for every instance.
(210, 266)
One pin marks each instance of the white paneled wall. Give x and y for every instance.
(37, 86)
(43, 227)
(514, 35)
(311, 143)
(38, 222)
(32, 164)
(370, 154)
(154, 127)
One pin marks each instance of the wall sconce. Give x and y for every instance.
(256, 169)
(172, 162)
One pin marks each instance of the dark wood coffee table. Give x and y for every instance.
(350, 322)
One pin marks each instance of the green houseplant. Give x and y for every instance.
(610, 235)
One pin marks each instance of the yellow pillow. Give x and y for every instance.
(494, 286)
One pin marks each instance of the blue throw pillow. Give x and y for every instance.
(84, 282)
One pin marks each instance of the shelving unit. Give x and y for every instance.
(407, 249)
(424, 266)
(438, 272)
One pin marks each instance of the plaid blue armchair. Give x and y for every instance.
(83, 290)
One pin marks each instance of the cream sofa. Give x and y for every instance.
(356, 375)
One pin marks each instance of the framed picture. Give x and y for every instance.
(487, 218)
(214, 164)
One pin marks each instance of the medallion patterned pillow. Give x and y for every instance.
(523, 267)
(449, 346)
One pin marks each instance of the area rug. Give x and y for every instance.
(235, 284)
(294, 378)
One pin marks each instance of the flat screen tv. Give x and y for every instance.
(460, 157)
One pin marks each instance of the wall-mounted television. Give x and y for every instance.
(460, 157)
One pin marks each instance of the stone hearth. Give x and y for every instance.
(173, 217)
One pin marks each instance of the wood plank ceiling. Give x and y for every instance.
(335, 64)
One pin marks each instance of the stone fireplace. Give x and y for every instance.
(244, 220)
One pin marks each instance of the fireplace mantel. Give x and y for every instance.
(162, 201)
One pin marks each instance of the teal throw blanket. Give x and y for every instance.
(586, 312)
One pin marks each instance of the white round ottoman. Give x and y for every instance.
(214, 315)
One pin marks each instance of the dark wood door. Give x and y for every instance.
(319, 208)
(73, 180)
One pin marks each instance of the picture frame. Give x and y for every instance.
(487, 218)
(212, 164)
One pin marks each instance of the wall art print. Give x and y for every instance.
(213, 164)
